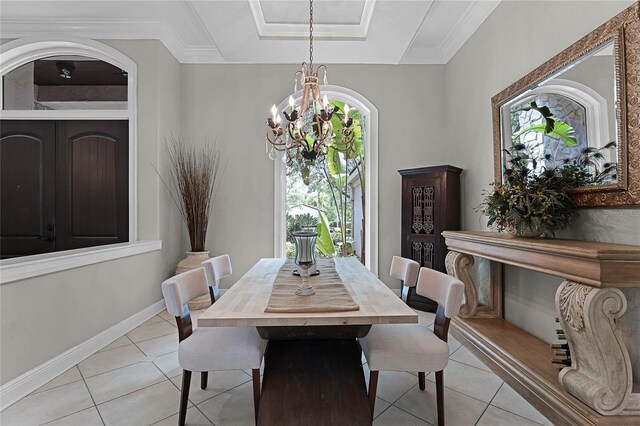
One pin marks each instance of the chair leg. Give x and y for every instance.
(440, 396)
(184, 397)
(421, 377)
(373, 387)
(203, 379)
(255, 374)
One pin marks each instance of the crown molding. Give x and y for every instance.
(199, 46)
(464, 28)
(320, 31)
(113, 29)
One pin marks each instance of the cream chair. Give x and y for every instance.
(405, 270)
(216, 269)
(206, 349)
(411, 347)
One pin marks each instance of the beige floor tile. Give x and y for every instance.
(168, 364)
(143, 407)
(166, 316)
(261, 370)
(429, 315)
(123, 341)
(392, 384)
(102, 362)
(88, 417)
(159, 345)
(425, 318)
(46, 406)
(232, 408)
(454, 345)
(395, 417)
(218, 382)
(146, 332)
(194, 417)
(381, 406)
(69, 376)
(152, 320)
(464, 356)
(107, 386)
(470, 381)
(496, 417)
(511, 401)
(459, 409)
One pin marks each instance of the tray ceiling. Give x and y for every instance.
(264, 31)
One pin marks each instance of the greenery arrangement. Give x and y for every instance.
(196, 176)
(527, 203)
(328, 191)
(533, 200)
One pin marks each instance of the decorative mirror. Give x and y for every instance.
(580, 108)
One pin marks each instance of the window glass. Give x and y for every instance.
(65, 83)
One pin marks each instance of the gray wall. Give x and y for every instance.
(232, 102)
(43, 317)
(491, 60)
(429, 115)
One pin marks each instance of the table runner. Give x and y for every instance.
(331, 294)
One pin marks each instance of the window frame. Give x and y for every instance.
(21, 51)
(370, 111)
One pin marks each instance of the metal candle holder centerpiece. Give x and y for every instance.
(305, 259)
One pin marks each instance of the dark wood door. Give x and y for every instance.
(27, 188)
(92, 183)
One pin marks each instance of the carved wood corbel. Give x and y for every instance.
(458, 265)
(600, 374)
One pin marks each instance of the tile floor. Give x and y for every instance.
(136, 380)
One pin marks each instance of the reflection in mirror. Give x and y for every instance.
(569, 119)
(65, 83)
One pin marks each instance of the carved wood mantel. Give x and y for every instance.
(597, 387)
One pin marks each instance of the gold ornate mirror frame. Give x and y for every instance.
(624, 30)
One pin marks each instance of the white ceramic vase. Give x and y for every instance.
(194, 260)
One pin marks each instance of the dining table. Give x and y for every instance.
(313, 367)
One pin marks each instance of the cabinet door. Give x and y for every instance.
(420, 211)
(92, 187)
(27, 189)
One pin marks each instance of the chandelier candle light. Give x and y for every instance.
(309, 130)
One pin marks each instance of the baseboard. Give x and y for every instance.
(26, 383)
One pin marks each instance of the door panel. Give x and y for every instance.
(92, 183)
(27, 188)
(421, 211)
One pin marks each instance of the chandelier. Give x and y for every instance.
(310, 126)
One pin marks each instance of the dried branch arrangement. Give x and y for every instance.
(196, 177)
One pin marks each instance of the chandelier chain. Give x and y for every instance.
(311, 34)
(310, 120)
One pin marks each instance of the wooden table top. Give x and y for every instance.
(244, 303)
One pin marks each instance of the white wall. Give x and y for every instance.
(43, 317)
(492, 59)
(232, 102)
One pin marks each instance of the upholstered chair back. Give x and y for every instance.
(448, 291)
(182, 288)
(405, 270)
(216, 269)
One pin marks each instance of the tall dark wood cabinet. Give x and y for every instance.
(430, 205)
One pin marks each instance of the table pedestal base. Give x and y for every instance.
(315, 383)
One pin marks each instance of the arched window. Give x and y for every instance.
(369, 114)
(69, 114)
(584, 109)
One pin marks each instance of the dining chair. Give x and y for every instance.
(205, 349)
(405, 270)
(216, 269)
(412, 347)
